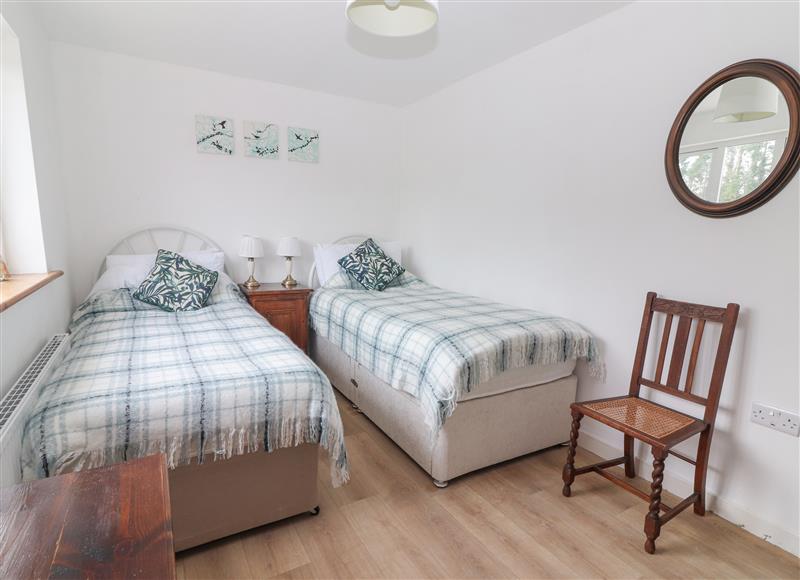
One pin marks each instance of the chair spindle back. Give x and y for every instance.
(685, 313)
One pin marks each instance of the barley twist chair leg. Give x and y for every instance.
(652, 522)
(568, 475)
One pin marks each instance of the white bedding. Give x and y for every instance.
(441, 346)
(218, 381)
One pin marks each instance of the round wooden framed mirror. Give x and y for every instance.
(736, 141)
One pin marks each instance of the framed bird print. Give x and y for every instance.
(213, 134)
(303, 145)
(261, 140)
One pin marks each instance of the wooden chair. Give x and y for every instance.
(657, 425)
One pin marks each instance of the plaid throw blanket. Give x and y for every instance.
(437, 345)
(137, 380)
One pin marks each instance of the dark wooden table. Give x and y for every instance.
(111, 522)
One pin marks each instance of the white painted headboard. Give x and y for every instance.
(313, 281)
(149, 240)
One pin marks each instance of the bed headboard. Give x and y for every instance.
(149, 240)
(313, 281)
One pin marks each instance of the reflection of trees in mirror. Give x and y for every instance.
(744, 168)
(729, 171)
(696, 170)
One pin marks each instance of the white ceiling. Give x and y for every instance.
(310, 44)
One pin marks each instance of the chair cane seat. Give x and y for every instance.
(649, 418)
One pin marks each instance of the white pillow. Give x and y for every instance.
(327, 256)
(117, 277)
(143, 263)
(220, 288)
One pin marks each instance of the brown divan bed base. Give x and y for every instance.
(216, 499)
(224, 497)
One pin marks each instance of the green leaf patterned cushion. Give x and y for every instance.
(175, 284)
(370, 266)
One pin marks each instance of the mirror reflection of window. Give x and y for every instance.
(696, 171)
(744, 168)
(734, 139)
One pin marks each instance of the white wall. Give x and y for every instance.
(127, 136)
(27, 325)
(540, 182)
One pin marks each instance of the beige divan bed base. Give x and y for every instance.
(224, 497)
(481, 432)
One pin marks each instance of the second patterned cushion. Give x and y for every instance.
(370, 266)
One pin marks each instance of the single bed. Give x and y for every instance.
(458, 382)
(213, 389)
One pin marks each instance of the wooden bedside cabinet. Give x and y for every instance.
(285, 308)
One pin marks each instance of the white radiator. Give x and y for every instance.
(18, 403)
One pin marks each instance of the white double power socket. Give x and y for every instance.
(776, 419)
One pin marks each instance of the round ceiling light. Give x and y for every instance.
(393, 17)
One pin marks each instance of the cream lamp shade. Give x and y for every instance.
(746, 99)
(289, 248)
(251, 247)
(393, 17)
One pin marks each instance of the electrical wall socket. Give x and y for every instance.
(777, 419)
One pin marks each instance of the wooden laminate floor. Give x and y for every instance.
(502, 522)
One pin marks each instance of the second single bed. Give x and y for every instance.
(457, 381)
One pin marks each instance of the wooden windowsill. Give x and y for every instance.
(22, 285)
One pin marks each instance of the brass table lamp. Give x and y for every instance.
(251, 248)
(289, 248)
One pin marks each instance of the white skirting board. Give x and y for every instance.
(733, 512)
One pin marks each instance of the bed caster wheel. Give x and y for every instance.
(440, 484)
(314, 511)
